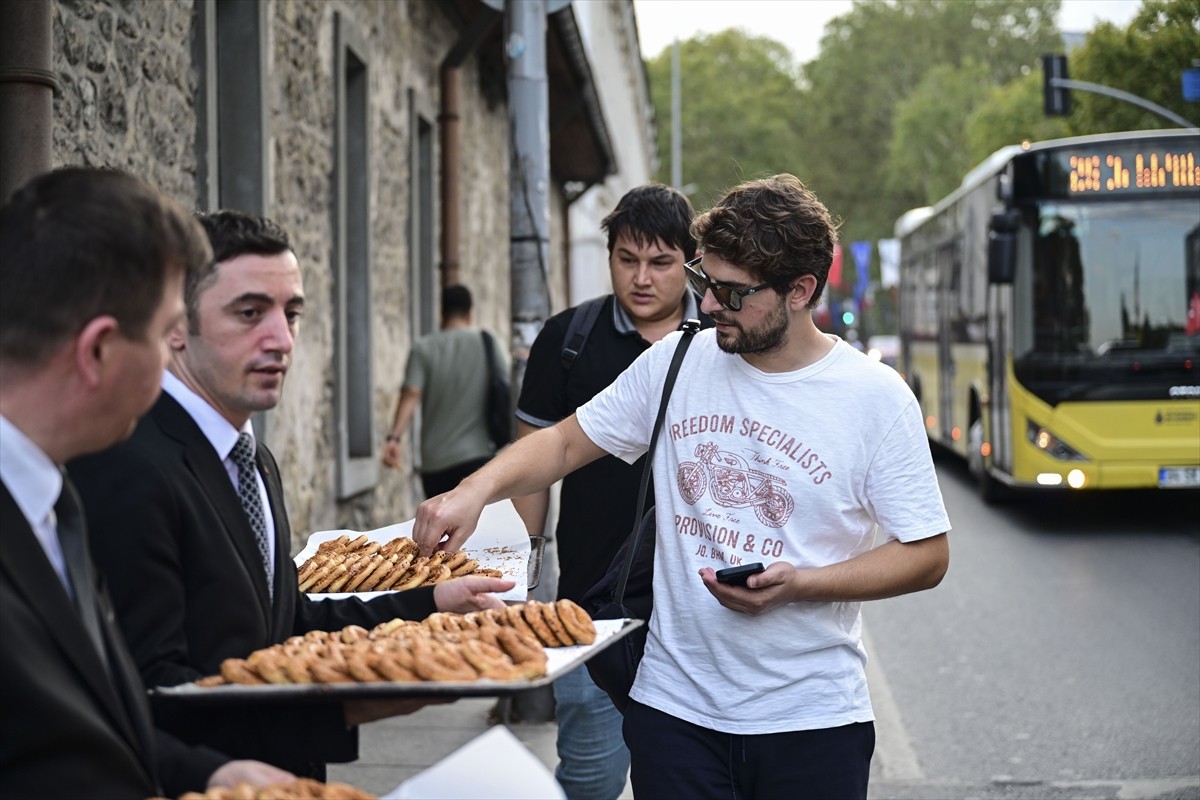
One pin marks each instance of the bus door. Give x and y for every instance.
(949, 268)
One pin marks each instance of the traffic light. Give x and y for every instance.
(1056, 100)
(847, 318)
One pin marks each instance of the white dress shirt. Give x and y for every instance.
(222, 436)
(35, 483)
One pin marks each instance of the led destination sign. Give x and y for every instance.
(1121, 169)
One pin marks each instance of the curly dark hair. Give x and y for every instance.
(775, 228)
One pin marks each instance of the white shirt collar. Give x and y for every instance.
(32, 478)
(219, 432)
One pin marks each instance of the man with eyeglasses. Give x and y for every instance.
(782, 445)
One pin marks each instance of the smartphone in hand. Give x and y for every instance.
(736, 576)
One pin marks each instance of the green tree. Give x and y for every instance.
(1011, 114)
(740, 105)
(874, 57)
(1147, 59)
(928, 153)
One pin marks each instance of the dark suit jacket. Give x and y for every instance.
(183, 567)
(66, 728)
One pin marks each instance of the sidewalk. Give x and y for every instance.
(392, 750)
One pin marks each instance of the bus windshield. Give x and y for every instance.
(1115, 299)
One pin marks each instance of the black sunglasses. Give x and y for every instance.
(727, 296)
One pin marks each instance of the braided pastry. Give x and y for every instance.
(359, 564)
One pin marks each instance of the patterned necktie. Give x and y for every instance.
(72, 536)
(243, 457)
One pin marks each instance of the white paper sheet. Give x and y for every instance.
(500, 542)
(492, 766)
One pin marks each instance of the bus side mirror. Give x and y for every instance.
(1002, 247)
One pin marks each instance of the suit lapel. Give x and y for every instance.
(202, 461)
(30, 573)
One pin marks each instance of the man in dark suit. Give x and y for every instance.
(206, 502)
(92, 277)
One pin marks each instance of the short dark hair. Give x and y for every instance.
(78, 243)
(232, 234)
(775, 228)
(456, 301)
(650, 212)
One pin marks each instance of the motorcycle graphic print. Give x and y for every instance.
(734, 485)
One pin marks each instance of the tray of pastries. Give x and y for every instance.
(341, 563)
(298, 789)
(484, 653)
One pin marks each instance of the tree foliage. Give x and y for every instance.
(928, 152)
(876, 56)
(1147, 59)
(740, 111)
(1011, 114)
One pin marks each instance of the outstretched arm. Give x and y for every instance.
(532, 508)
(528, 465)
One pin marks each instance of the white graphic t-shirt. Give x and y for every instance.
(756, 466)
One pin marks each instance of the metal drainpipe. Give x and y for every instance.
(450, 137)
(449, 120)
(27, 87)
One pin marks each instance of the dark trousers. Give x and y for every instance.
(673, 758)
(443, 481)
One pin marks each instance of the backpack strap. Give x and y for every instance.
(582, 322)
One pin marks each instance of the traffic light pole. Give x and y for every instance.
(1084, 86)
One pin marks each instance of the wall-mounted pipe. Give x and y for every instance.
(449, 124)
(27, 87)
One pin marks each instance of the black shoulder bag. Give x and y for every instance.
(498, 410)
(626, 590)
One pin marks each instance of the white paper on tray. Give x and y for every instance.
(492, 765)
(500, 541)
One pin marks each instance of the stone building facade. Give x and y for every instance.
(324, 115)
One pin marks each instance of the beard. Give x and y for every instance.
(769, 336)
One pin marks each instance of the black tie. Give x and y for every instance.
(243, 457)
(72, 536)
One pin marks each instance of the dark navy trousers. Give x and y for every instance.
(674, 758)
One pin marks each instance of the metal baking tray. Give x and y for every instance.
(560, 660)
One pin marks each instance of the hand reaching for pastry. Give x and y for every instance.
(232, 773)
(470, 593)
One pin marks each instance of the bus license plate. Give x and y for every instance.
(1178, 477)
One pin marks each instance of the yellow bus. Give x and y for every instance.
(1050, 314)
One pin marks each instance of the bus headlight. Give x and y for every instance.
(1050, 444)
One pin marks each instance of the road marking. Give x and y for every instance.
(897, 759)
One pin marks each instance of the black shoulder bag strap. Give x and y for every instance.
(689, 328)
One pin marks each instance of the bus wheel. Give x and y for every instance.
(990, 489)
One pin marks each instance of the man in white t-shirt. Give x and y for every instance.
(790, 453)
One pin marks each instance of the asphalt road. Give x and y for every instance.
(1059, 658)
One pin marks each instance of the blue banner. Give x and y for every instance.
(862, 269)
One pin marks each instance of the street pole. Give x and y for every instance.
(676, 123)
(529, 244)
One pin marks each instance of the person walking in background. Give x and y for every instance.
(648, 243)
(189, 519)
(92, 275)
(446, 376)
(782, 445)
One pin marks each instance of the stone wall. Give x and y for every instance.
(128, 100)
